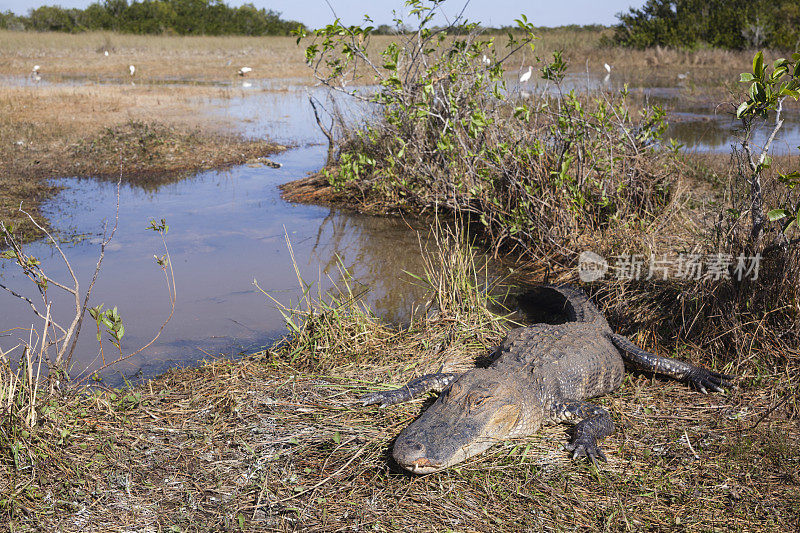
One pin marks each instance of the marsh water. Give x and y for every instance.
(227, 230)
(230, 228)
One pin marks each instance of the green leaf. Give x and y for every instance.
(289, 322)
(777, 214)
(792, 176)
(742, 109)
(758, 64)
(746, 76)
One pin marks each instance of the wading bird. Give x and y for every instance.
(244, 70)
(608, 67)
(133, 70)
(486, 60)
(526, 75)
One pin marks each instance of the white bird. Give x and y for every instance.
(526, 75)
(133, 70)
(244, 70)
(106, 53)
(683, 76)
(486, 60)
(608, 67)
(35, 74)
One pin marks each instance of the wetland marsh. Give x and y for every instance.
(220, 427)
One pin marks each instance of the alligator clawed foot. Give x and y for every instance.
(586, 447)
(413, 389)
(703, 379)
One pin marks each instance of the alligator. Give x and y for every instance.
(541, 374)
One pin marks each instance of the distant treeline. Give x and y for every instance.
(733, 24)
(180, 17)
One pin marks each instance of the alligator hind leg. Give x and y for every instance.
(595, 423)
(416, 387)
(699, 377)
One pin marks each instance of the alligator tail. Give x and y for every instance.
(564, 299)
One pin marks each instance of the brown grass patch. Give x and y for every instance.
(64, 56)
(278, 441)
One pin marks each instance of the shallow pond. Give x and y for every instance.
(226, 229)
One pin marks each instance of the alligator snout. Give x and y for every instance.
(412, 456)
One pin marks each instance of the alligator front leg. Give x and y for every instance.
(595, 423)
(701, 378)
(416, 387)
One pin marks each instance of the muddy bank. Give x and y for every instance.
(312, 189)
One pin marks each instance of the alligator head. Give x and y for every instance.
(476, 412)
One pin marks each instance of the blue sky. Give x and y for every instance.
(315, 13)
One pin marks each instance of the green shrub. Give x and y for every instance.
(539, 173)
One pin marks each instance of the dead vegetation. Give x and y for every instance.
(69, 57)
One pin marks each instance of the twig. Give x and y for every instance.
(770, 411)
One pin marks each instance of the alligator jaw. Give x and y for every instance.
(422, 466)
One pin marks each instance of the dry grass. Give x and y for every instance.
(64, 57)
(260, 444)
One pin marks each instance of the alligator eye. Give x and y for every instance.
(477, 401)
